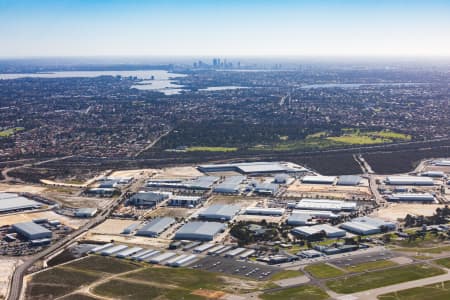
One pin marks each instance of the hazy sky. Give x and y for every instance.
(228, 27)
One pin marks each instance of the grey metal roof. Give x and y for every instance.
(349, 180)
(201, 228)
(253, 167)
(156, 226)
(86, 210)
(375, 222)
(16, 202)
(230, 183)
(218, 211)
(31, 228)
(203, 182)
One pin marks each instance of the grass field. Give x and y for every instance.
(307, 292)
(286, 274)
(438, 291)
(211, 149)
(323, 271)
(376, 279)
(119, 289)
(445, 262)
(10, 132)
(371, 265)
(103, 264)
(58, 282)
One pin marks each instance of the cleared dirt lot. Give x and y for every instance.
(112, 226)
(133, 173)
(26, 217)
(7, 267)
(298, 189)
(174, 212)
(178, 172)
(399, 210)
(21, 188)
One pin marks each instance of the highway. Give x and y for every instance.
(16, 283)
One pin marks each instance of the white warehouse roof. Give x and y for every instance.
(11, 201)
(325, 204)
(264, 211)
(411, 197)
(409, 180)
(220, 212)
(329, 230)
(319, 179)
(156, 226)
(204, 231)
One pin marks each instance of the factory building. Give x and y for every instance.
(155, 227)
(368, 225)
(299, 219)
(104, 192)
(254, 168)
(349, 180)
(318, 214)
(319, 179)
(264, 211)
(409, 180)
(86, 212)
(231, 185)
(330, 231)
(413, 197)
(185, 201)
(220, 212)
(13, 202)
(108, 184)
(148, 198)
(202, 231)
(442, 163)
(32, 231)
(324, 204)
(264, 188)
(282, 179)
(435, 174)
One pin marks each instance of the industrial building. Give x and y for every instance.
(436, 174)
(113, 250)
(442, 163)
(13, 202)
(148, 198)
(254, 168)
(409, 180)
(282, 179)
(325, 204)
(162, 258)
(319, 179)
(349, 180)
(368, 225)
(231, 185)
(156, 227)
(220, 212)
(130, 228)
(108, 184)
(299, 219)
(32, 231)
(203, 247)
(264, 188)
(202, 182)
(103, 192)
(185, 201)
(128, 252)
(330, 231)
(318, 214)
(413, 197)
(202, 231)
(264, 211)
(86, 212)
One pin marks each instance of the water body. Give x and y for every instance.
(162, 80)
(356, 85)
(223, 88)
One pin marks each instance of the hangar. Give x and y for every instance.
(220, 212)
(330, 231)
(32, 231)
(202, 231)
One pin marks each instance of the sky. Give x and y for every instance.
(36, 28)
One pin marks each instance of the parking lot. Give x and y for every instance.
(363, 258)
(233, 267)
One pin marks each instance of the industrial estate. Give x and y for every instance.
(267, 229)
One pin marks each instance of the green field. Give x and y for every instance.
(57, 282)
(102, 264)
(323, 271)
(119, 289)
(376, 279)
(211, 149)
(10, 132)
(445, 262)
(371, 265)
(438, 291)
(307, 292)
(286, 274)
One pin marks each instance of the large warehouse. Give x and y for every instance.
(350, 180)
(220, 212)
(155, 227)
(299, 219)
(368, 225)
(264, 211)
(201, 231)
(319, 179)
(12, 202)
(325, 204)
(413, 197)
(231, 185)
(409, 180)
(254, 168)
(185, 201)
(32, 231)
(330, 231)
(442, 163)
(148, 198)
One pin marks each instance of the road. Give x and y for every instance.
(19, 272)
(153, 143)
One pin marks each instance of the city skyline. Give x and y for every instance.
(224, 28)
